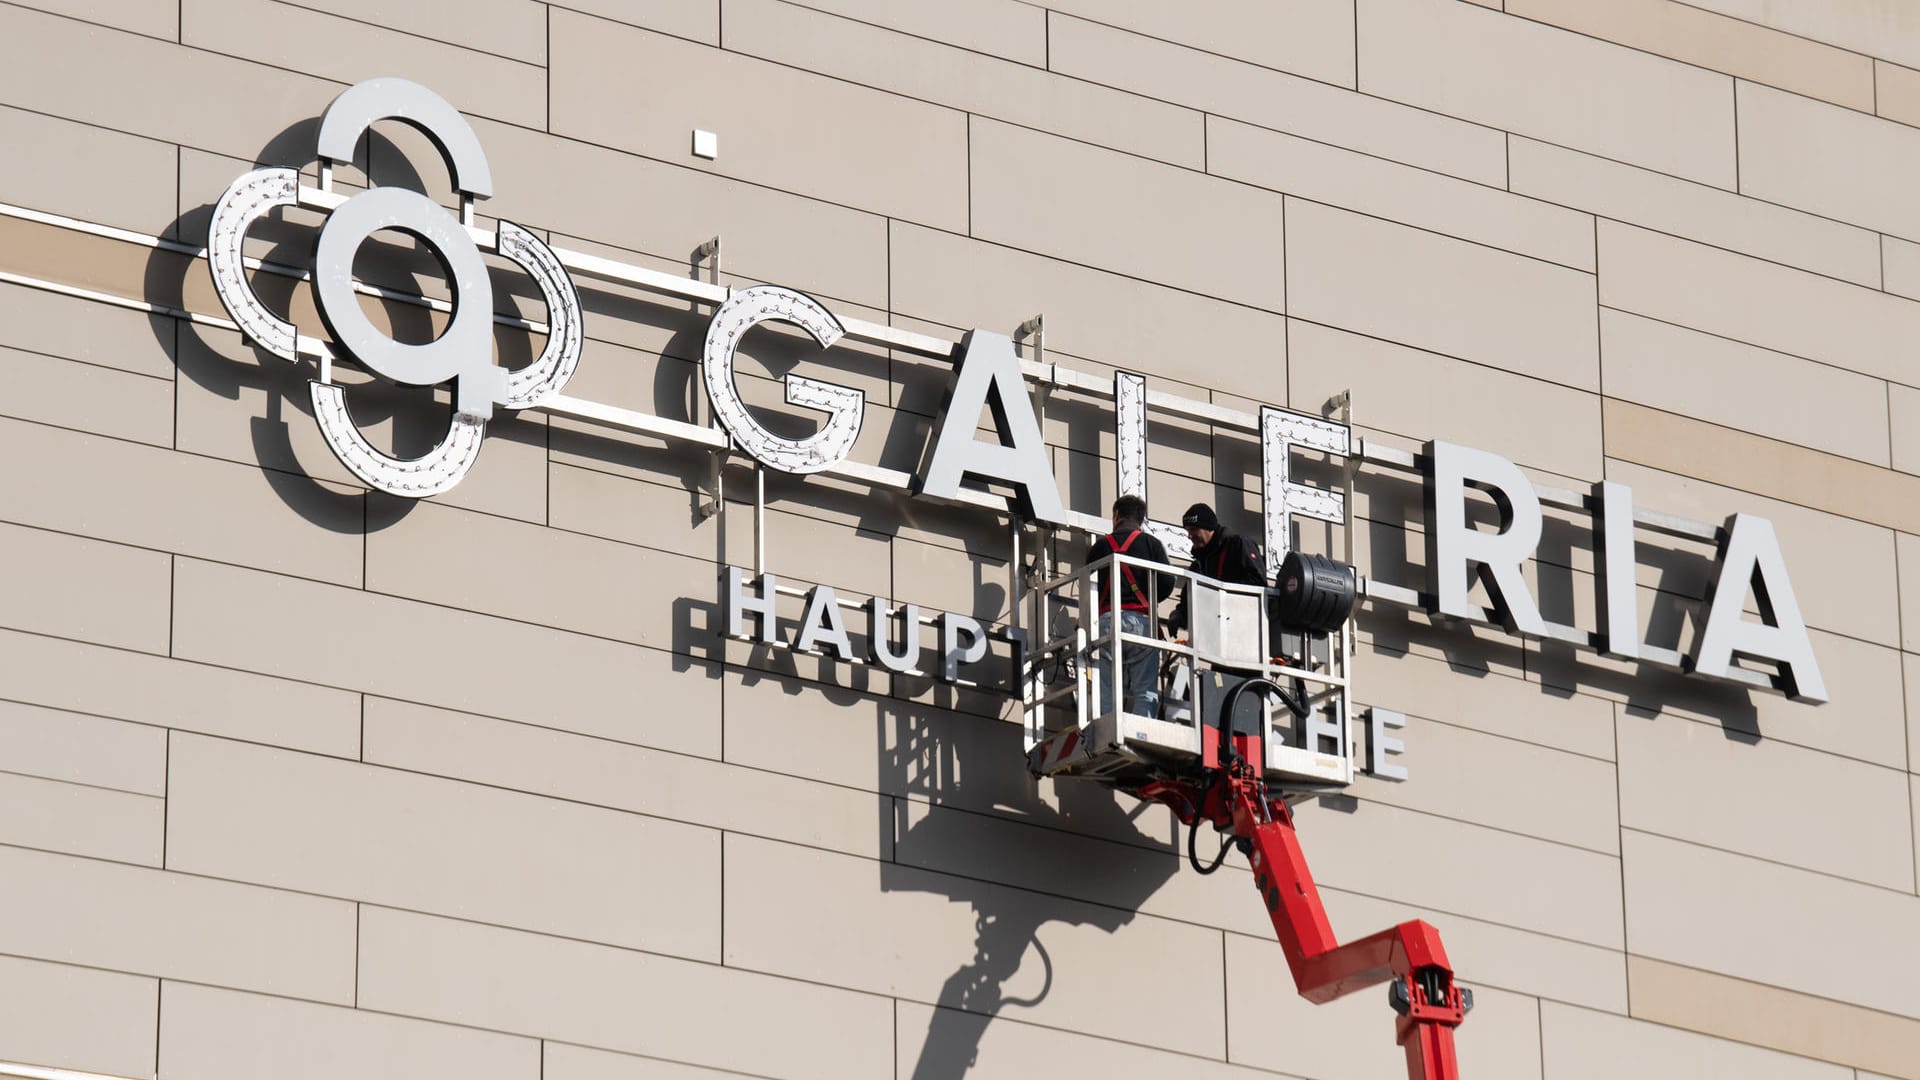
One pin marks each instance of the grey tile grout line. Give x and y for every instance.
(1913, 785)
(1619, 820)
(159, 1007)
(1226, 998)
(1734, 88)
(166, 793)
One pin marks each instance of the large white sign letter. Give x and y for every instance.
(1750, 554)
(990, 377)
(1454, 546)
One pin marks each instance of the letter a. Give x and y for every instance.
(1750, 554)
(990, 377)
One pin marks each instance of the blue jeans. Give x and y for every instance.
(1139, 668)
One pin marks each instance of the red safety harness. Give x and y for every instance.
(1136, 596)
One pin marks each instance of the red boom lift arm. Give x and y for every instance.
(1409, 957)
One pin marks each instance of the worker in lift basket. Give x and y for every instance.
(1140, 664)
(1221, 555)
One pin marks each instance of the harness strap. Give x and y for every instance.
(1127, 571)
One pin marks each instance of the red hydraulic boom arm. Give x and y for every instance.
(1409, 957)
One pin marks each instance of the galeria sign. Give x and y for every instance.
(1010, 474)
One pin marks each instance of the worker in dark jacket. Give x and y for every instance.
(1141, 592)
(1218, 554)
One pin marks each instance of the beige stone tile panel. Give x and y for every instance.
(1697, 782)
(946, 73)
(1087, 205)
(1827, 556)
(1700, 375)
(872, 742)
(77, 1018)
(909, 933)
(1308, 108)
(1314, 38)
(452, 658)
(70, 394)
(1907, 558)
(89, 173)
(105, 264)
(51, 815)
(83, 749)
(1767, 1016)
(1760, 303)
(429, 844)
(178, 694)
(1424, 396)
(1441, 294)
(677, 787)
(129, 493)
(71, 587)
(1388, 189)
(1900, 260)
(1706, 909)
(1903, 407)
(959, 283)
(1896, 92)
(625, 88)
(1488, 954)
(644, 205)
(595, 995)
(1547, 888)
(106, 77)
(159, 20)
(1867, 26)
(54, 325)
(515, 29)
(1398, 193)
(1067, 853)
(350, 50)
(153, 922)
(1000, 1048)
(554, 578)
(1826, 159)
(561, 1061)
(1269, 1025)
(1392, 675)
(1701, 212)
(1549, 794)
(1581, 1044)
(799, 548)
(1066, 858)
(1005, 28)
(941, 579)
(1543, 82)
(1736, 459)
(1861, 722)
(1710, 40)
(212, 1034)
(696, 20)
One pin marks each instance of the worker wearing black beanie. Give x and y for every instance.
(1218, 554)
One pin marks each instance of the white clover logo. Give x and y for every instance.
(463, 353)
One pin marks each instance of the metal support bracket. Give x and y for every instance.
(709, 253)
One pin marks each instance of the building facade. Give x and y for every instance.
(299, 778)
